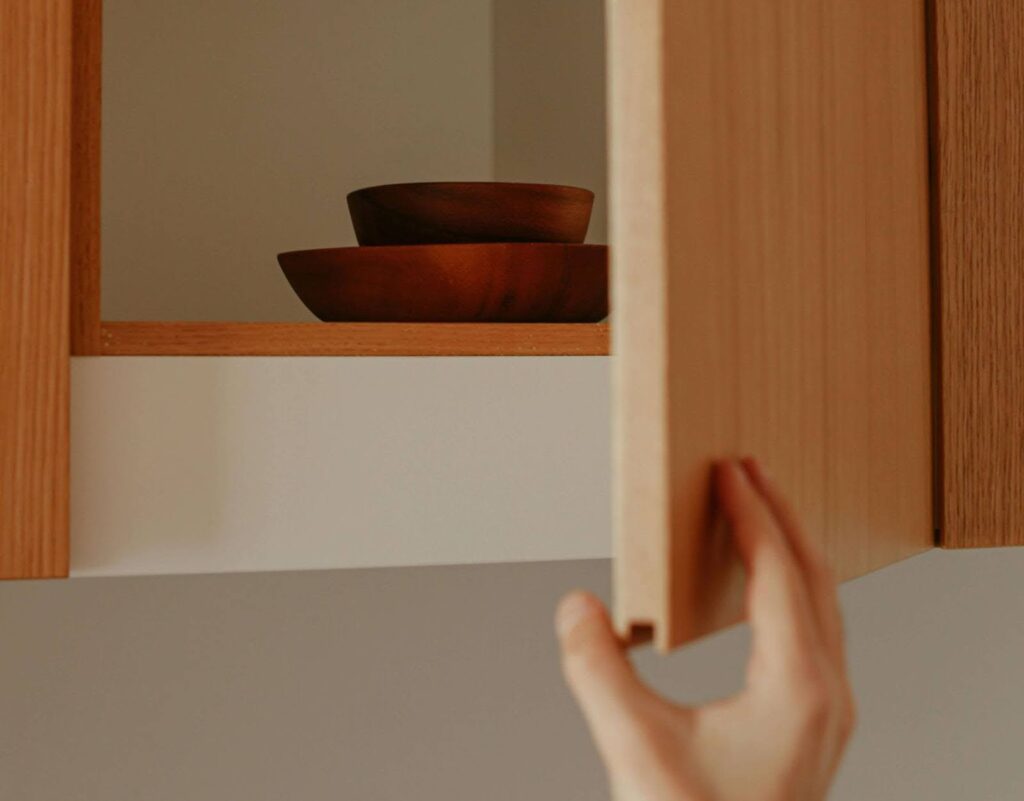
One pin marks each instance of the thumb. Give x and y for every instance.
(595, 664)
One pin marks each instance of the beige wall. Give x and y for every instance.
(549, 97)
(232, 130)
(442, 683)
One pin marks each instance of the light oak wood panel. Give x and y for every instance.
(35, 110)
(354, 339)
(978, 102)
(770, 287)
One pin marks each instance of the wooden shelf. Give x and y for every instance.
(351, 339)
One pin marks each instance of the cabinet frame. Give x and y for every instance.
(50, 274)
(977, 102)
(35, 166)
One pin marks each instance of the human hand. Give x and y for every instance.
(778, 739)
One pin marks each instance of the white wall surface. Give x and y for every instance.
(442, 683)
(205, 465)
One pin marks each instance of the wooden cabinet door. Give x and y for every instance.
(771, 286)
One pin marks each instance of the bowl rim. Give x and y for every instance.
(566, 188)
(577, 246)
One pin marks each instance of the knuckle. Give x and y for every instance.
(811, 701)
(814, 707)
(819, 706)
(803, 669)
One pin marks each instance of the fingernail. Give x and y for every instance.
(573, 609)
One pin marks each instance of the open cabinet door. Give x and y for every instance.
(771, 286)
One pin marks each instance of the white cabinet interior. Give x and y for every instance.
(199, 465)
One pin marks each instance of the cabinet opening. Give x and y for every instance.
(233, 131)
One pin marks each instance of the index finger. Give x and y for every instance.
(821, 586)
(778, 602)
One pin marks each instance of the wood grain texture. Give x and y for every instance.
(470, 212)
(978, 135)
(354, 339)
(770, 288)
(495, 282)
(35, 112)
(86, 86)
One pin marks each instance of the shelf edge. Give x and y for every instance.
(352, 339)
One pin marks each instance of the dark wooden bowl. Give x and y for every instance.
(527, 283)
(444, 213)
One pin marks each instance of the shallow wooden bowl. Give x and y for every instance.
(442, 213)
(528, 283)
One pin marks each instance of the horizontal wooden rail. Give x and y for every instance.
(352, 339)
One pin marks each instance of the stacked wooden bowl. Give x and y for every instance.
(459, 252)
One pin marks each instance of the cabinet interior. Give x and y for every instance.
(232, 131)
